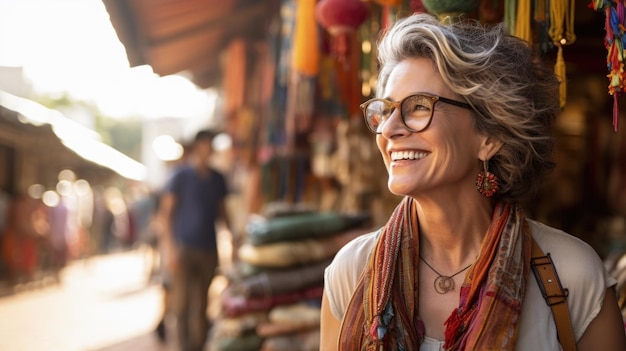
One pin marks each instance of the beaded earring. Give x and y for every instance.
(487, 182)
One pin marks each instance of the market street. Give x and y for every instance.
(104, 303)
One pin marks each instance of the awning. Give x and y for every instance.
(174, 36)
(79, 139)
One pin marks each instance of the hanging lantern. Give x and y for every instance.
(341, 18)
(418, 6)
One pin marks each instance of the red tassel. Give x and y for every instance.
(374, 329)
(615, 112)
(453, 324)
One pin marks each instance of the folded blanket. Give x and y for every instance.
(290, 319)
(245, 270)
(309, 341)
(280, 281)
(249, 342)
(301, 226)
(237, 305)
(292, 253)
(241, 325)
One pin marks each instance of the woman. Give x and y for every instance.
(451, 268)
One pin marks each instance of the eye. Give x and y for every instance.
(417, 105)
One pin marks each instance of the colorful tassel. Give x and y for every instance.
(561, 74)
(561, 32)
(522, 22)
(615, 23)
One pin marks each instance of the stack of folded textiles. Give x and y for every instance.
(273, 304)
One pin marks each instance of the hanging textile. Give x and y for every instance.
(510, 9)
(561, 32)
(306, 53)
(389, 9)
(523, 27)
(491, 11)
(541, 18)
(614, 42)
(234, 76)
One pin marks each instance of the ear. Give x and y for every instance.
(488, 148)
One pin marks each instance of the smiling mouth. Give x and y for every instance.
(407, 155)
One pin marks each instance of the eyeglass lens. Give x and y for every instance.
(415, 110)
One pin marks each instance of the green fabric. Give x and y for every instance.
(300, 226)
(249, 342)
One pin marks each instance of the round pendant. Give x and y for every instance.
(443, 284)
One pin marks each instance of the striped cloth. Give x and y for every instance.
(381, 317)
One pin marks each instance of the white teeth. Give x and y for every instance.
(407, 155)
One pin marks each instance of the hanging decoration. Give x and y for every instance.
(306, 53)
(615, 24)
(523, 28)
(561, 19)
(417, 6)
(341, 18)
(554, 26)
(388, 2)
(510, 10)
(491, 12)
(451, 10)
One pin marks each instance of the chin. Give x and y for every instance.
(400, 189)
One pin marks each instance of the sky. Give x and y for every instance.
(70, 46)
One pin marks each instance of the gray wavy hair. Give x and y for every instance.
(514, 96)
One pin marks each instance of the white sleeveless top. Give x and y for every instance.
(578, 265)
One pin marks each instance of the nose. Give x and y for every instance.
(394, 126)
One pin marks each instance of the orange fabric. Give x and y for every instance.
(383, 312)
(234, 78)
(306, 53)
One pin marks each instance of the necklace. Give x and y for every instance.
(444, 283)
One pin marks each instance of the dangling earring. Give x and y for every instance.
(487, 182)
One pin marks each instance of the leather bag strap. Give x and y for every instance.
(554, 294)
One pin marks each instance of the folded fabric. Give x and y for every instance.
(269, 330)
(285, 208)
(234, 327)
(249, 342)
(237, 305)
(245, 270)
(301, 226)
(289, 319)
(307, 341)
(282, 281)
(298, 313)
(291, 253)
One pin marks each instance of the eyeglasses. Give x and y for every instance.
(416, 111)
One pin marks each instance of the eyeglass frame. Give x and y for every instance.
(396, 104)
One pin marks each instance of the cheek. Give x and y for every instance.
(381, 142)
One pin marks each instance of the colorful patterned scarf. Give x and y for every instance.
(383, 312)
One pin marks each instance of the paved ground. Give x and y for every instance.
(103, 303)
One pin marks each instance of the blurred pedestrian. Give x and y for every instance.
(192, 203)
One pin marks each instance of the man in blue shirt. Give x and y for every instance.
(192, 202)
